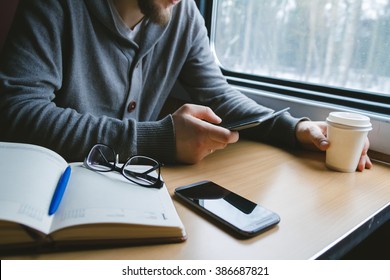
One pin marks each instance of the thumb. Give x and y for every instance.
(319, 139)
(204, 113)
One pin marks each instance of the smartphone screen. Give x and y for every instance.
(238, 213)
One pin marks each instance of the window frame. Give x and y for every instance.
(354, 99)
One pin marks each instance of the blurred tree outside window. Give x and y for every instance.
(337, 43)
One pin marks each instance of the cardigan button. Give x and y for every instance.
(131, 106)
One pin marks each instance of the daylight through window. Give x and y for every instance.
(338, 43)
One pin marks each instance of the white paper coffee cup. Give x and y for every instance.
(346, 134)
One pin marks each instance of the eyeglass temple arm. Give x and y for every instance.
(107, 163)
(116, 157)
(157, 166)
(142, 175)
(153, 168)
(102, 155)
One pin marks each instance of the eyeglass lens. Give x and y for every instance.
(139, 170)
(101, 158)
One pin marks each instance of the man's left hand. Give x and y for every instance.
(312, 135)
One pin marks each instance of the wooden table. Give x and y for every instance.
(322, 212)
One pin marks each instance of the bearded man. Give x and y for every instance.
(77, 73)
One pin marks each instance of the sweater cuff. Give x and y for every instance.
(284, 130)
(157, 140)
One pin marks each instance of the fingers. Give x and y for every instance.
(221, 135)
(318, 137)
(205, 118)
(201, 112)
(196, 135)
(365, 162)
(312, 135)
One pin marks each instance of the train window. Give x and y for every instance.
(334, 44)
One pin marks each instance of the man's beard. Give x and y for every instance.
(154, 12)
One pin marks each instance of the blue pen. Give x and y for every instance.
(59, 192)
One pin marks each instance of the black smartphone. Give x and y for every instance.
(234, 211)
(252, 121)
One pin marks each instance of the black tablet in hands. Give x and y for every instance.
(252, 121)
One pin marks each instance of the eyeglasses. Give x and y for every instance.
(141, 170)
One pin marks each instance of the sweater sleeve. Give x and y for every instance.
(32, 70)
(203, 79)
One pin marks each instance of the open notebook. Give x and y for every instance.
(96, 209)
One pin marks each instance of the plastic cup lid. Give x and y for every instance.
(349, 119)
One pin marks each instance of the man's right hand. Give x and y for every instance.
(197, 134)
